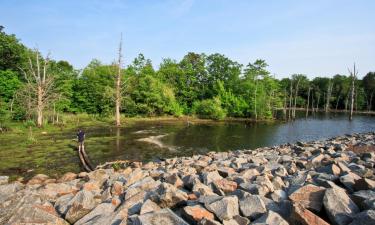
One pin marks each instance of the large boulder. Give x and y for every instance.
(225, 208)
(224, 186)
(161, 217)
(364, 218)
(339, 207)
(194, 214)
(101, 214)
(170, 196)
(309, 196)
(303, 216)
(42, 213)
(80, 205)
(149, 206)
(252, 206)
(270, 218)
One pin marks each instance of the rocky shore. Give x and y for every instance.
(319, 182)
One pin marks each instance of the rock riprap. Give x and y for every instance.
(317, 182)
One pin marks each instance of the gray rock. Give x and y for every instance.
(82, 203)
(278, 195)
(101, 214)
(360, 197)
(7, 190)
(149, 206)
(209, 177)
(225, 208)
(364, 218)
(36, 214)
(62, 204)
(270, 218)
(4, 180)
(339, 207)
(206, 221)
(170, 196)
(348, 180)
(252, 206)
(161, 217)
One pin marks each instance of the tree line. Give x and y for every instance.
(208, 86)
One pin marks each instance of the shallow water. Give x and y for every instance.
(54, 154)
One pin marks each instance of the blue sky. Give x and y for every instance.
(317, 38)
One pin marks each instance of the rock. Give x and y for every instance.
(7, 190)
(360, 197)
(278, 183)
(99, 176)
(364, 218)
(252, 206)
(4, 180)
(270, 218)
(364, 184)
(117, 188)
(303, 216)
(101, 214)
(81, 204)
(339, 207)
(190, 180)
(38, 179)
(54, 190)
(278, 195)
(62, 204)
(202, 189)
(254, 189)
(170, 196)
(225, 171)
(209, 177)
(175, 180)
(225, 208)
(241, 220)
(224, 186)
(317, 159)
(208, 222)
(194, 214)
(309, 196)
(249, 174)
(36, 214)
(161, 217)
(69, 176)
(330, 169)
(149, 206)
(348, 180)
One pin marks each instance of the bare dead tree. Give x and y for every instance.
(118, 85)
(329, 93)
(308, 102)
(38, 91)
(290, 99)
(353, 76)
(295, 99)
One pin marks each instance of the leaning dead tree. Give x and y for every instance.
(353, 76)
(38, 91)
(118, 85)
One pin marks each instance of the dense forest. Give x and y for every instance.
(40, 89)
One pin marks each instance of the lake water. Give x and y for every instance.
(146, 141)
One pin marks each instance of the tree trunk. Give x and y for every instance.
(118, 86)
(40, 107)
(290, 98)
(308, 102)
(353, 75)
(337, 102)
(329, 93)
(295, 100)
(317, 104)
(255, 99)
(372, 95)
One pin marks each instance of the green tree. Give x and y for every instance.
(369, 89)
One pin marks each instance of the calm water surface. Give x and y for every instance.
(145, 141)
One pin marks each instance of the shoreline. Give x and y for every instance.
(317, 182)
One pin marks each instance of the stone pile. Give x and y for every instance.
(319, 182)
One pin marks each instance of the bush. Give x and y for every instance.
(209, 108)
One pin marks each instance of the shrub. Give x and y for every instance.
(209, 108)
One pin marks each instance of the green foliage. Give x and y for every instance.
(209, 108)
(9, 83)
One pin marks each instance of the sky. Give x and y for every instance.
(316, 38)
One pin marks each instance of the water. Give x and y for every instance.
(146, 141)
